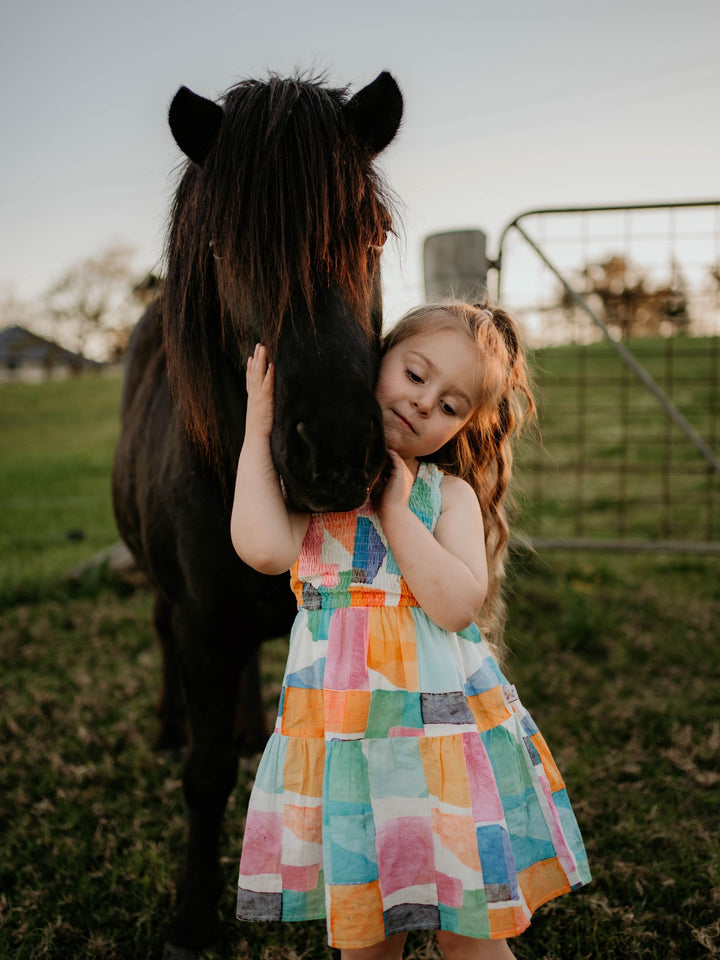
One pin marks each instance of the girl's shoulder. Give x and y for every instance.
(457, 494)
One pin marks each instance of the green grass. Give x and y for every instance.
(616, 657)
(611, 463)
(56, 445)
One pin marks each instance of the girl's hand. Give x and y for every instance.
(260, 380)
(399, 484)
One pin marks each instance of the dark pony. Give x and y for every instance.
(275, 236)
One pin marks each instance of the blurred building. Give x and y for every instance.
(26, 356)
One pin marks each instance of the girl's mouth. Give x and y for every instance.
(405, 422)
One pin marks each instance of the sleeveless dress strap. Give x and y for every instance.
(425, 497)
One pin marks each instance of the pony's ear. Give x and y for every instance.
(375, 112)
(195, 123)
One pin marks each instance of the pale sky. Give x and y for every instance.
(509, 105)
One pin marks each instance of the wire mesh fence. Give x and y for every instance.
(621, 310)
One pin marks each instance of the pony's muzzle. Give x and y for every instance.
(326, 473)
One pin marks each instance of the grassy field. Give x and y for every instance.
(56, 446)
(615, 656)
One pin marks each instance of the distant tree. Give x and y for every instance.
(14, 311)
(143, 294)
(95, 303)
(629, 303)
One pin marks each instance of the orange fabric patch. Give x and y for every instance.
(392, 650)
(356, 914)
(304, 822)
(489, 708)
(445, 773)
(407, 598)
(553, 774)
(304, 766)
(456, 832)
(542, 881)
(302, 713)
(341, 526)
(507, 921)
(366, 597)
(346, 711)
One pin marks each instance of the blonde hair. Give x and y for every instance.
(481, 452)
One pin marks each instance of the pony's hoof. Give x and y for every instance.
(171, 952)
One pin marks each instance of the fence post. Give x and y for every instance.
(455, 264)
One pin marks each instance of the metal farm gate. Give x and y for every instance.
(621, 311)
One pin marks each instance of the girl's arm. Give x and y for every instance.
(445, 570)
(265, 533)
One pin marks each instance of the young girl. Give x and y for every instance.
(405, 787)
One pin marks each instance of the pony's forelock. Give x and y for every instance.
(286, 200)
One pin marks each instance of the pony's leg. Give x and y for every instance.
(211, 655)
(250, 728)
(171, 707)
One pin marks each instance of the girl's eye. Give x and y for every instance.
(446, 408)
(416, 378)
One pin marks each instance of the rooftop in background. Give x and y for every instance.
(26, 356)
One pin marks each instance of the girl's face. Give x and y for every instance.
(427, 389)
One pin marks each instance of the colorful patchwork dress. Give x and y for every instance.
(404, 787)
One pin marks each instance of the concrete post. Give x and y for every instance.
(455, 265)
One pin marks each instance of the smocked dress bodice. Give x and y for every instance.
(345, 559)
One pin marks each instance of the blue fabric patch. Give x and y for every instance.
(369, 550)
(471, 633)
(529, 833)
(485, 678)
(534, 755)
(309, 678)
(349, 854)
(528, 726)
(496, 857)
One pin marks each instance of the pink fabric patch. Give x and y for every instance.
(556, 831)
(450, 890)
(405, 732)
(262, 844)
(309, 561)
(301, 879)
(346, 666)
(486, 805)
(405, 853)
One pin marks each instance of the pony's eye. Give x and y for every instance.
(379, 242)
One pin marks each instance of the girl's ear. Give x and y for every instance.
(375, 112)
(195, 123)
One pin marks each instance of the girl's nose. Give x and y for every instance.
(421, 404)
